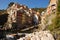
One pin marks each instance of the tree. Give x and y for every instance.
(11, 3)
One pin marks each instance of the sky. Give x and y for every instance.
(29, 3)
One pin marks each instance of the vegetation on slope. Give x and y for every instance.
(2, 11)
(55, 26)
(39, 9)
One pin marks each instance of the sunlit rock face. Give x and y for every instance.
(53, 1)
(49, 14)
(52, 6)
(14, 14)
(41, 35)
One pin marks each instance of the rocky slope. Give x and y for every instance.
(41, 35)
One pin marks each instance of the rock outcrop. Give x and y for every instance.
(41, 35)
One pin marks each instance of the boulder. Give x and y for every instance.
(41, 35)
